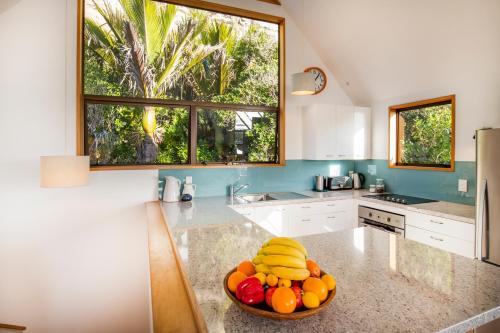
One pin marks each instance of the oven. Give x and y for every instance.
(382, 220)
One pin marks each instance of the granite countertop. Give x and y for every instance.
(215, 209)
(385, 283)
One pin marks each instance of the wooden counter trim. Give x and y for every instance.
(12, 327)
(174, 305)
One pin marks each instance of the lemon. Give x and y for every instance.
(272, 280)
(284, 283)
(262, 277)
(310, 300)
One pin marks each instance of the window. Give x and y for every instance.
(164, 84)
(422, 135)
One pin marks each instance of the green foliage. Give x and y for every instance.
(143, 48)
(427, 135)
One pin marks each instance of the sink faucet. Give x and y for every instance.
(233, 188)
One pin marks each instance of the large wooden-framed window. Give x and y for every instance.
(422, 135)
(179, 84)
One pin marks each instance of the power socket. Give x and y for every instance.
(462, 185)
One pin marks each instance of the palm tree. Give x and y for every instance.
(150, 46)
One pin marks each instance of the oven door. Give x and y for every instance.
(384, 227)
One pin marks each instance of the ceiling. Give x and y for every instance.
(382, 49)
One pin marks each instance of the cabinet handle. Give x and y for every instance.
(437, 222)
(331, 217)
(437, 239)
(331, 205)
(305, 207)
(306, 220)
(329, 155)
(247, 214)
(342, 155)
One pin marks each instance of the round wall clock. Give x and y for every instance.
(319, 78)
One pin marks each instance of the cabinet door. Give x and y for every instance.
(440, 241)
(319, 140)
(362, 133)
(343, 128)
(271, 218)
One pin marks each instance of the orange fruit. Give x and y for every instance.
(271, 280)
(313, 268)
(329, 280)
(247, 268)
(234, 279)
(316, 286)
(310, 300)
(284, 300)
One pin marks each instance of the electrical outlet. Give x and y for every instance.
(189, 180)
(462, 185)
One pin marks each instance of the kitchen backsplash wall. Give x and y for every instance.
(427, 184)
(297, 175)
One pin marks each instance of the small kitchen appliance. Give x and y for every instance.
(357, 180)
(319, 183)
(172, 189)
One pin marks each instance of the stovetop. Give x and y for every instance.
(398, 198)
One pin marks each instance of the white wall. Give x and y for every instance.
(386, 52)
(75, 260)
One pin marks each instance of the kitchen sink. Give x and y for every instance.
(255, 197)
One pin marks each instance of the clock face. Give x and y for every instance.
(319, 78)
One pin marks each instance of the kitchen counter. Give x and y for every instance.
(385, 283)
(215, 209)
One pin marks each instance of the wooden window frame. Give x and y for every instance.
(394, 147)
(193, 105)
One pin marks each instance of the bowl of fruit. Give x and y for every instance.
(280, 282)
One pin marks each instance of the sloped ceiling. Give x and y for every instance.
(381, 49)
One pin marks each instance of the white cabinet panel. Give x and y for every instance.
(362, 133)
(440, 241)
(343, 129)
(336, 132)
(452, 228)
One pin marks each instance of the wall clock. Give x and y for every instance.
(319, 78)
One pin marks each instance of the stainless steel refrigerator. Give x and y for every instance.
(488, 195)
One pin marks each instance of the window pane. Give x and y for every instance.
(150, 49)
(236, 136)
(121, 134)
(425, 136)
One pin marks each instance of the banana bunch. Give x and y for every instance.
(283, 257)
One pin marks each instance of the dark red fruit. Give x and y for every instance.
(298, 294)
(269, 296)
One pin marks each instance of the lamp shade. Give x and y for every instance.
(303, 84)
(64, 171)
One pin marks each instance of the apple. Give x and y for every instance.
(298, 294)
(269, 296)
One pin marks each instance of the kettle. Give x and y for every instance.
(172, 189)
(357, 180)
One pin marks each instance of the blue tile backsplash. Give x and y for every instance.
(426, 184)
(297, 175)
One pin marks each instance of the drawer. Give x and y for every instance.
(440, 241)
(321, 207)
(319, 223)
(455, 229)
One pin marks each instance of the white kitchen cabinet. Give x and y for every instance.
(362, 145)
(336, 132)
(301, 219)
(449, 235)
(440, 241)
